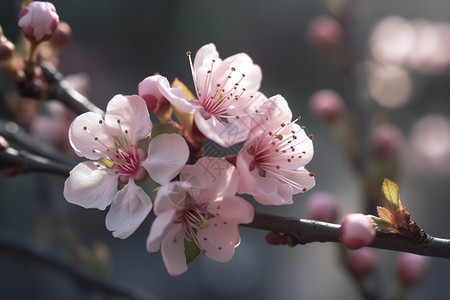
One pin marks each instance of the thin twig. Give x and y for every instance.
(9, 242)
(308, 231)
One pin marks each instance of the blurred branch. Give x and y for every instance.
(21, 247)
(62, 91)
(303, 231)
(27, 162)
(15, 134)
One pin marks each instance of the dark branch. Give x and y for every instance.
(308, 231)
(21, 247)
(62, 91)
(27, 162)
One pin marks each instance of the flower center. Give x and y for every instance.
(194, 218)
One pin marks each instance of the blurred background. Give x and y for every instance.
(388, 61)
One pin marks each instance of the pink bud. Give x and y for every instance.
(326, 105)
(6, 49)
(62, 35)
(361, 261)
(38, 21)
(148, 89)
(356, 231)
(3, 143)
(322, 206)
(411, 267)
(325, 33)
(274, 238)
(386, 139)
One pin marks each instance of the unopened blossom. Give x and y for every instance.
(111, 144)
(361, 261)
(227, 94)
(322, 206)
(411, 268)
(38, 21)
(149, 90)
(201, 208)
(271, 163)
(356, 231)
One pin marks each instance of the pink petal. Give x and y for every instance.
(167, 154)
(219, 239)
(215, 176)
(175, 96)
(83, 133)
(224, 134)
(244, 65)
(90, 187)
(204, 56)
(265, 190)
(160, 227)
(133, 115)
(233, 209)
(171, 195)
(172, 251)
(128, 210)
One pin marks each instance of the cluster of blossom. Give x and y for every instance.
(134, 166)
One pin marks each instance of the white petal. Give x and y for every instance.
(219, 239)
(128, 210)
(301, 177)
(90, 187)
(172, 251)
(160, 227)
(133, 115)
(83, 133)
(167, 154)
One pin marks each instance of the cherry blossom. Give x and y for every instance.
(112, 146)
(38, 21)
(227, 94)
(201, 208)
(271, 163)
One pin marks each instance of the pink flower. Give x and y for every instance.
(271, 164)
(38, 21)
(227, 94)
(201, 208)
(112, 145)
(411, 268)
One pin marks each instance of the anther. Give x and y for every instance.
(188, 53)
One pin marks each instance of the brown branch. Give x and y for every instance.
(307, 231)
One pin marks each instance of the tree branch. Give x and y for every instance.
(10, 243)
(62, 91)
(307, 231)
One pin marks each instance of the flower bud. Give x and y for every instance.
(38, 21)
(361, 261)
(6, 49)
(327, 105)
(274, 238)
(386, 139)
(323, 207)
(62, 35)
(411, 267)
(148, 89)
(326, 33)
(356, 231)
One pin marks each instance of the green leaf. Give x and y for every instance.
(391, 196)
(191, 250)
(382, 225)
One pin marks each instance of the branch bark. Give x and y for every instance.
(307, 231)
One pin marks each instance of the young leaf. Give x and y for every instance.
(191, 250)
(382, 225)
(391, 196)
